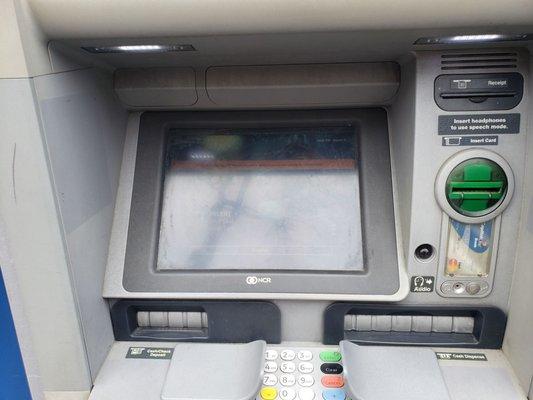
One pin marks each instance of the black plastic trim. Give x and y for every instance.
(489, 326)
(380, 275)
(228, 321)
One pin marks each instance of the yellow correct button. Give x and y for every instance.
(269, 393)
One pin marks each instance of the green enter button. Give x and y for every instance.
(330, 356)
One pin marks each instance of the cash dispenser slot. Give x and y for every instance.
(415, 325)
(478, 92)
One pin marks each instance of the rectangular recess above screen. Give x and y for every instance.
(303, 85)
(259, 86)
(156, 87)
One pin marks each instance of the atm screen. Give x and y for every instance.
(261, 199)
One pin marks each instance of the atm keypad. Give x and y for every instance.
(287, 367)
(302, 374)
(288, 355)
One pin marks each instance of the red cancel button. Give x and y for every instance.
(332, 381)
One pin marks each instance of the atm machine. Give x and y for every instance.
(295, 205)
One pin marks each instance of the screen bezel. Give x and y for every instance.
(380, 275)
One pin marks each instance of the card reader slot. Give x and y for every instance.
(476, 190)
(483, 192)
(470, 189)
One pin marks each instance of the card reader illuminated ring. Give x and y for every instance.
(475, 186)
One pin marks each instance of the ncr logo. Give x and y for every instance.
(254, 280)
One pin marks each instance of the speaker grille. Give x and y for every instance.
(485, 61)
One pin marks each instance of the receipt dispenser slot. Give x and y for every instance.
(479, 92)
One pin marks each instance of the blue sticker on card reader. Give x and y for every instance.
(478, 236)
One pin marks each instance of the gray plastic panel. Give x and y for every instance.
(143, 378)
(215, 371)
(300, 85)
(84, 128)
(418, 154)
(490, 383)
(400, 373)
(156, 87)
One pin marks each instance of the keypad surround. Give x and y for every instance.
(302, 373)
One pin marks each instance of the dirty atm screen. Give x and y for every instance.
(276, 199)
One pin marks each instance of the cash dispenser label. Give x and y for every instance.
(461, 356)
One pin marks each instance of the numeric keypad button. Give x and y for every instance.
(288, 367)
(287, 380)
(288, 355)
(305, 367)
(268, 393)
(332, 381)
(271, 355)
(305, 355)
(306, 380)
(287, 394)
(271, 366)
(270, 380)
(330, 356)
(331, 368)
(306, 394)
(333, 394)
